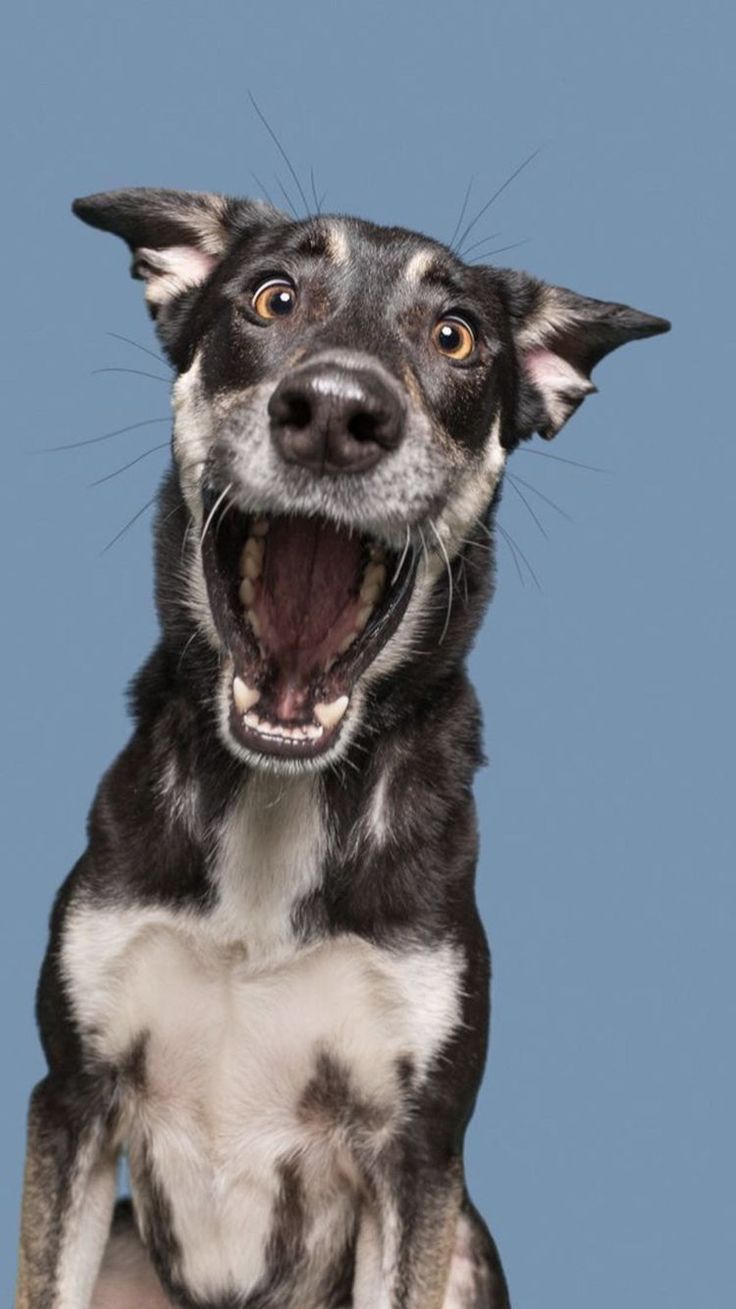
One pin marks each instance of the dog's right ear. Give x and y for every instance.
(177, 238)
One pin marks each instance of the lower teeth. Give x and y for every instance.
(306, 732)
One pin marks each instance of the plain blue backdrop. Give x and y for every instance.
(602, 1147)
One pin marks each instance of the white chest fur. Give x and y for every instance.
(233, 1017)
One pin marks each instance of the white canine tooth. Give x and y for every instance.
(252, 617)
(346, 643)
(370, 591)
(362, 617)
(375, 575)
(247, 592)
(251, 560)
(253, 720)
(244, 696)
(259, 527)
(329, 715)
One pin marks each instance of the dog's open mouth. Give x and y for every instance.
(303, 607)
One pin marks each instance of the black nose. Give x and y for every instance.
(333, 419)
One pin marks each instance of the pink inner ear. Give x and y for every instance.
(174, 269)
(550, 373)
(561, 386)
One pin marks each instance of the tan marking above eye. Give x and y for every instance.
(453, 337)
(275, 298)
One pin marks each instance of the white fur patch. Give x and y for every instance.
(174, 269)
(338, 246)
(418, 266)
(233, 1014)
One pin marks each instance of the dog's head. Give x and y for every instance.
(345, 401)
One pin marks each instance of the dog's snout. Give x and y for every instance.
(335, 420)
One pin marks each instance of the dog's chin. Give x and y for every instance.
(302, 606)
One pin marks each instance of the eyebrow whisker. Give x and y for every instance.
(281, 151)
(499, 191)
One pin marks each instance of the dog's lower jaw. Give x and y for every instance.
(334, 740)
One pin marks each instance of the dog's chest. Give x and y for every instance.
(244, 1057)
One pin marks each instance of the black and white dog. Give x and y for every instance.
(267, 981)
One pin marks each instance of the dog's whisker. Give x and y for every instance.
(117, 336)
(514, 477)
(483, 240)
(510, 546)
(263, 189)
(222, 496)
(165, 445)
(289, 202)
(405, 551)
(477, 545)
(512, 541)
(138, 372)
(499, 250)
(281, 151)
(448, 566)
(561, 459)
(313, 185)
(195, 633)
(129, 524)
(106, 436)
(524, 164)
(528, 507)
(461, 215)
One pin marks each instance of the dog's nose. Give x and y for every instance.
(335, 420)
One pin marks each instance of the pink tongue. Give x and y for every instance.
(308, 599)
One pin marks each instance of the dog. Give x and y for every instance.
(267, 982)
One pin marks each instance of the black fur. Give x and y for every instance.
(422, 721)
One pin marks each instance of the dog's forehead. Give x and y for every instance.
(356, 247)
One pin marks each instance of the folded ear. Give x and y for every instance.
(177, 237)
(560, 337)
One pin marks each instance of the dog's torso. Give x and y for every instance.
(256, 1071)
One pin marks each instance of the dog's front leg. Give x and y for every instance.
(406, 1238)
(68, 1196)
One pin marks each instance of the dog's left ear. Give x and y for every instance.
(559, 338)
(177, 238)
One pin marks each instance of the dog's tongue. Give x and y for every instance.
(308, 596)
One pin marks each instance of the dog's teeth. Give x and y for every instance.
(375, 575)
(252, 617)
(259, 527)
(251, 560)
(329, 715)
(247, 592)
(253, 720)
(373, 582)
(244, 696)
(362, 617)
(346, 643)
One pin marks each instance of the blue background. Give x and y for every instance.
(601, 1150)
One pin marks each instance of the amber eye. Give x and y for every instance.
(454, 338)
(274, 299)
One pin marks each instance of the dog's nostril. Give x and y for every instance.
(296, 411)
(364, 426)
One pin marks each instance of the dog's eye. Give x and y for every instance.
(275, 298)
(454, 337)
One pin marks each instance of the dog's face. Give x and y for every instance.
(346, 398)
